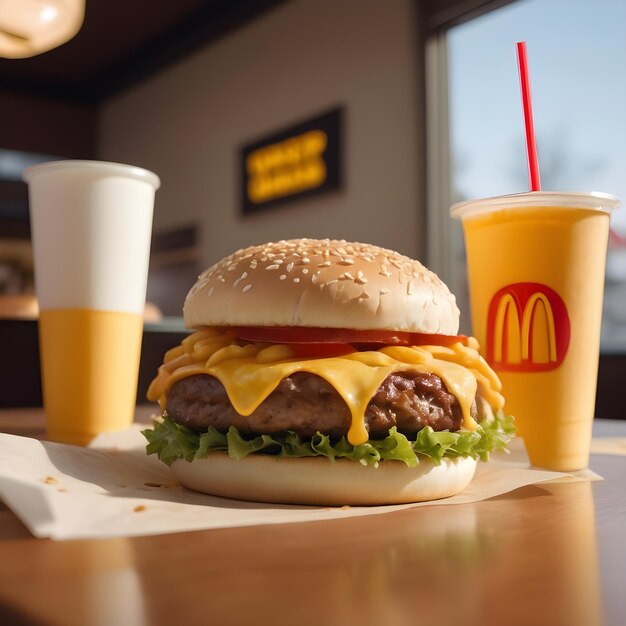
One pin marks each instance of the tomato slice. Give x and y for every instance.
(310, 335)
(425, 339)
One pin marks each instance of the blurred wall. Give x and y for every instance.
(188, 123)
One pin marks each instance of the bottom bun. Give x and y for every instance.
(315, 480)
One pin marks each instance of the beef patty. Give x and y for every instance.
(306, 403)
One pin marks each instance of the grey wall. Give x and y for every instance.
(306, 56)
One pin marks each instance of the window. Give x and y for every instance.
(576, 50)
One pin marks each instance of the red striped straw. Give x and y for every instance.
(531, 145)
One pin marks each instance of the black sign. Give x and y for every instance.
(300, 161)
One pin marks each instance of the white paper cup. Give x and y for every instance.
(91, 226)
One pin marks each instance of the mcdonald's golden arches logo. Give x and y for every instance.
(528, 328)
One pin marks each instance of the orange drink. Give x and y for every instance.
(536, 277)
(90, 361)
(91, 225)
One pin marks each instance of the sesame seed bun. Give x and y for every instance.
(322, 283)
(321, 482)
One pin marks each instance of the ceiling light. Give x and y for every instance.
(30, 27)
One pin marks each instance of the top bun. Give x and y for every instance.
(322, 283)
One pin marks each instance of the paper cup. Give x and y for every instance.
(91, 226)
(536, 278)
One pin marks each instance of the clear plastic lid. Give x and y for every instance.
(594, 200)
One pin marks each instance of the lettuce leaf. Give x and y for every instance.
(171, 441)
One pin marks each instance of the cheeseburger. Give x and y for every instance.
(325, 372)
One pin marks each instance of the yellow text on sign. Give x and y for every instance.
(287, 167)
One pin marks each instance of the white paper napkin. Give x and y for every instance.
(112, 489)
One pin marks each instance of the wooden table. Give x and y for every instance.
(547, 554)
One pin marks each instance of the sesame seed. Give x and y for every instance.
(247, 287)
(410, 288)
(305, 271)
(384, 291)
(289, 267)
(342, 251)
(314, 279)
(231, 268)
(274, 266)
(306, 260)
(346, 262)
(242, 277)
(360, 279)
(253, 264)
(346, 276)
(296, 280)
(210, 291)
(324, 264)
(282, 277)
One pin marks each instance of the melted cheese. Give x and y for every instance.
(251, 371)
